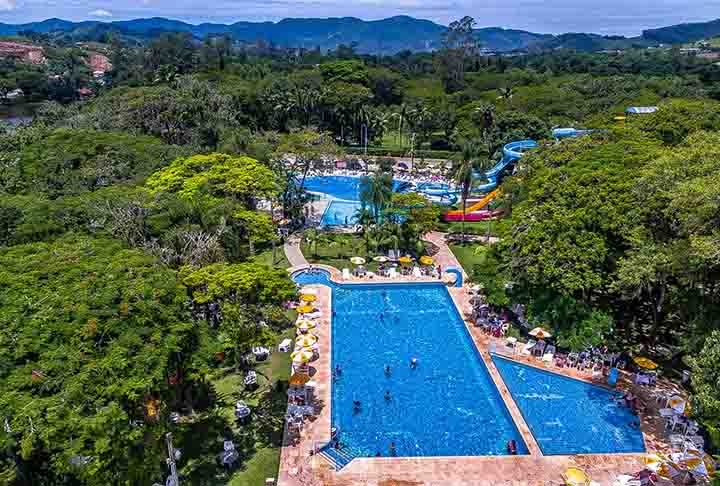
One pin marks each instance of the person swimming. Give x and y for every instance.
(512, 447)
(387, 396)
(393, 449)
(338, 371)
(387, 370)
(413, 363)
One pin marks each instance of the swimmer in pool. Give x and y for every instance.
(387, 370)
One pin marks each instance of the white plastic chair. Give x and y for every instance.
(346, 274)
(393, 272)
(548, 357)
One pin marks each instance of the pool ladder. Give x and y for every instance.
(337, 458)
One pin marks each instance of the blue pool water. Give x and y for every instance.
(340, 187)
(340, 213)
(312, 277)
(569, 416)
(447, 406)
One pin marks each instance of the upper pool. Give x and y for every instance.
(341, 187)
(569, 416)
(447, 406)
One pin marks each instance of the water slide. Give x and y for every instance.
(512, 152)
(475, 207)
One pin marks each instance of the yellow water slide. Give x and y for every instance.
(477, 206)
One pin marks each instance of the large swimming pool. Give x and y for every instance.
(569, 416)
(447, 406)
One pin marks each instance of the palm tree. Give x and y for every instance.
(376, 194)
(313, 237)
(464, 174)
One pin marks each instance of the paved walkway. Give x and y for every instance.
(444, 256)
(292, 250)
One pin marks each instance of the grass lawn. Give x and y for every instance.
(265, 257)
(471, 228)
(257, 443)
(337, 251)
(465, 253)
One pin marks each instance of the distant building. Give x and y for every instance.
(641, 110)
(15, 94)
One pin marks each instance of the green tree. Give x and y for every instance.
(106, 329)
(464, 174)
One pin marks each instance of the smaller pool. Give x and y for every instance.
(313, 277)
(568, 416)
(340, 213)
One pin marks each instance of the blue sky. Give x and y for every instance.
(626, 17)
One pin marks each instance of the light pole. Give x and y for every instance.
(365, 139)
(173, 480)
(412, 153)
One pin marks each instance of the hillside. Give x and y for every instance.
(386, 36)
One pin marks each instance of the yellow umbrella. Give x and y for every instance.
(305, 309)
(575, 477)
(405, 259)
(299, 379)
(646, 363)
(427, 260)
(308, 298)
(305, 324)
(358, 260)
(306, 341)
(540, 333)
(302, 356)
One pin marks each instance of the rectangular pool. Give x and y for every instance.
(340, 213)
(569, 416)
(447, 406)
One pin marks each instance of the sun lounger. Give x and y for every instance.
(416, 272)
(548, 357)
(284, 346)
(314, 315)
(393, 255)
(261, 353)
(393, 272)
(527, 349)
(346, 274)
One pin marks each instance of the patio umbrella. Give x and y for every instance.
(306, 341)
(540, 333)
(308, 291)
(308, 298)
(305, 309)
(299, 379)
(646, 363)
(574, 476)
(381, 259)
(357, 260)
(302, 356)
(405, 260)
(427, 260)
(305, 324)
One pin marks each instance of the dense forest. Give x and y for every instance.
(139, 228)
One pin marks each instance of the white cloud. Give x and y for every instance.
(97, 13)
(7, 5)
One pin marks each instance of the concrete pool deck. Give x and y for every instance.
(298, 467)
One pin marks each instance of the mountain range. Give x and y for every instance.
(384, 36)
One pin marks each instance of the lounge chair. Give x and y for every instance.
(392, 272)
(394, 255)
(416, 272)
(261, 353)
(346, 274)
(284, 346)
(527, 349)
(549, 354)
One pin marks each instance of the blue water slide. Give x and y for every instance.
(560, 133)
(511, 154)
